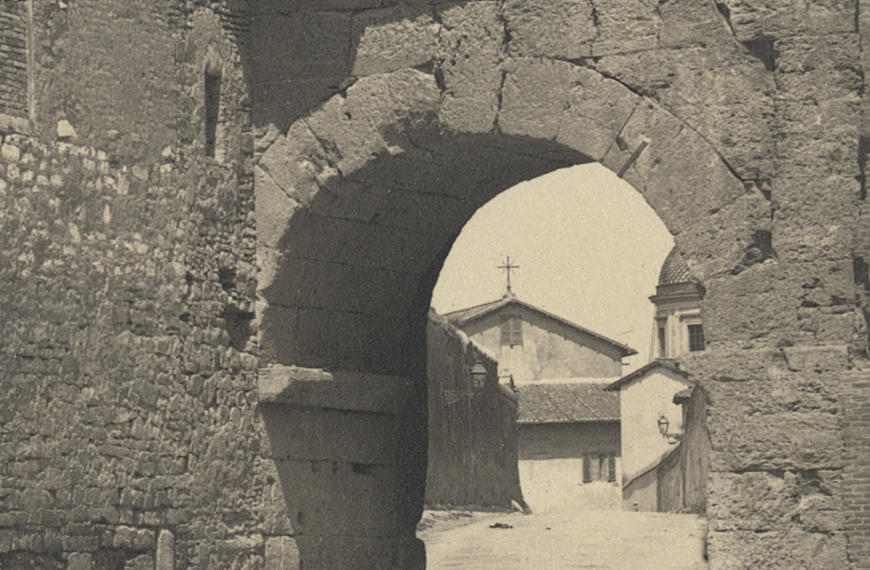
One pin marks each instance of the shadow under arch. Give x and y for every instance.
(357, 206)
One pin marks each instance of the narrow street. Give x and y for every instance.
(607, 540)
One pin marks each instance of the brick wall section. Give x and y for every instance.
(856, 473)
(13, 58)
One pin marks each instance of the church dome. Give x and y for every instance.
(675, 270)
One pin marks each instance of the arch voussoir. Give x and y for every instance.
(679, 173)
(354, 127)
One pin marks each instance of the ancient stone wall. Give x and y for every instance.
(129, 275)
(472, 430)
(128, 433)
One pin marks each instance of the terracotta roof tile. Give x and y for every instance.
(567, 402)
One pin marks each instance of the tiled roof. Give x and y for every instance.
(567, 402)
(675, 270)
(671, 365)
(464, 316)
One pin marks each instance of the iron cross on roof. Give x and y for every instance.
(507, 267)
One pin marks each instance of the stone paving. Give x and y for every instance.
(607, 540)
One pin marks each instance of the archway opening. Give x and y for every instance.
(585, 252)
(357, 207)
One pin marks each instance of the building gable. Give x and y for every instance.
(534, 345)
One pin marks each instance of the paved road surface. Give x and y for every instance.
(611, 540)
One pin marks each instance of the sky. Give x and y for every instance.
(588, 247)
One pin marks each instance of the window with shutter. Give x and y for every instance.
(511, 331)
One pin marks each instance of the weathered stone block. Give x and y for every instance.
(692, 23)
(361, 244)
(337, 498)
(273, 203)
(379, 291)
(281, 553)
(821, 138)
(818, 359)
(625, 27)
(597, 109)
(281, 103)
(818, 68)
(471, 42)
(534, 95)
(564, 29)
(754, 19)
(165, 551)
(80, 561)
(284, 6)
(275, 516)
(141, 562)
(353, 128)
(727, 240)
(391, 39)
(336, 435)
(777, 549)
(757, 307)
(337, 390)
(377, 198)
(362, 552)
(775, 419)
(351, 340)
(296, 164)
(814, 217)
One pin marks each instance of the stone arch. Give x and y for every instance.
(375, 184)
(357, 207)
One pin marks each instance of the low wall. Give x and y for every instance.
(472, 433)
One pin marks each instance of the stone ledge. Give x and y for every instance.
(339, 390)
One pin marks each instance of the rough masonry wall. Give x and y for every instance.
(127, 279)
(128, 432)
(750, 114)
(472, 433)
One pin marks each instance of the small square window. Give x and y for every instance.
(512, 331)
(696, 338)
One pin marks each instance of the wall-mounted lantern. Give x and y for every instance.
(478, 375)
(663, 426)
